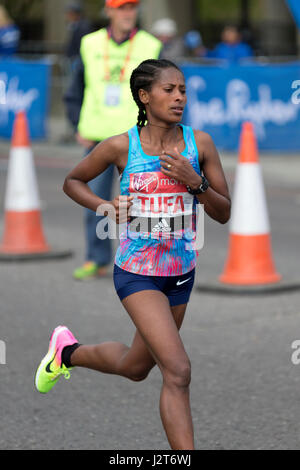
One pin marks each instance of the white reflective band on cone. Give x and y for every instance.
(21, 190)
(249, 209)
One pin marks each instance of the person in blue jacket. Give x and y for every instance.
(9, 34)
(231, 48)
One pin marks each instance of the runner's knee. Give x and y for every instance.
(177, 374)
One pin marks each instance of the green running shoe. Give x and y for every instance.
(89, 270)
(51, 368)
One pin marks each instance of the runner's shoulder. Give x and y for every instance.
(205, 144)
(202, 138)
(117, 144)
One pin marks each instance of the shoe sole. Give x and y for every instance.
(48, 356)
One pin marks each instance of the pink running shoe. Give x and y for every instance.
(51, 367)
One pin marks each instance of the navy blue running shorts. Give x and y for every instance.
(177, 288)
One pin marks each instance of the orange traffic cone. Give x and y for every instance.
(23, 232)
(250, 255)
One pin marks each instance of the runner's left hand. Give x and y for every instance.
(181, 169)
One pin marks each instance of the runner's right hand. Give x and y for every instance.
(121, 205)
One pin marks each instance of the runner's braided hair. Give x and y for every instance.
(143, 77)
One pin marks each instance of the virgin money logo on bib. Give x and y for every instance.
(154, 182)
(144, 182)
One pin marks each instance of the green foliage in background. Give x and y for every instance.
(206, 10)
(33, 9)
(20, 9)
(225, 10)
(94, 8)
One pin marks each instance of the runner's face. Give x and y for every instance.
(123, 18)
(166, 100)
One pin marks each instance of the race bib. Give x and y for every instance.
(161, 206)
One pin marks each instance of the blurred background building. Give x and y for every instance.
(267, 23)
(267, 26)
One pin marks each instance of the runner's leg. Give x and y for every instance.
(138, 361)
(153, 317)
(150, 311)
(112, 357)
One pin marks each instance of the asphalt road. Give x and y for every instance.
(245, 391)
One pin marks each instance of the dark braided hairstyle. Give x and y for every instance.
(143, 77)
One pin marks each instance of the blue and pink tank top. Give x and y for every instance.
(158, 239)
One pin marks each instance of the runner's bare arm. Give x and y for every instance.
(216, 199)
(107, 152)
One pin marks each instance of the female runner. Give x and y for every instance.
(160, 166)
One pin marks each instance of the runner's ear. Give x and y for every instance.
(143, 95)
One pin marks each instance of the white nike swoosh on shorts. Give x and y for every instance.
(178, 283)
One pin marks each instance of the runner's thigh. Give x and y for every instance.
(152, 315)
(139, 356)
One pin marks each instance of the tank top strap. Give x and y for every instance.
(188, 138)
(191, 146)
(133, 149)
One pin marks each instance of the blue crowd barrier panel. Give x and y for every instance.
(24, 86)
(222, 97)
(294, 6)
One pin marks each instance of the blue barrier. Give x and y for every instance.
(24, 86)
(221, 97)
(295, 10)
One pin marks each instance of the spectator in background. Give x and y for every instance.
(193, 44)
(79, 26)
(166, 31)
(231, 48)
(9, 34)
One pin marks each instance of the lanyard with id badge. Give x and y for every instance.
(112, 95)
